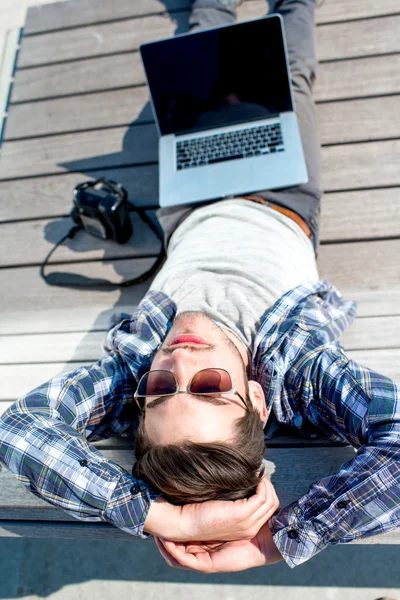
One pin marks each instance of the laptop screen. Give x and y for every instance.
(218, 77)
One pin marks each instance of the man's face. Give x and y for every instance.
(181, 417)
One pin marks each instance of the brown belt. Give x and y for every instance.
(285, 211)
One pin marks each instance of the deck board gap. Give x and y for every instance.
(358, 19)
(85, 93)
(358, 240)
(356, 142)
(73, 131)
(346, 58)
(86, 170)
(82, 261)
(39, 333)
(93, 57)
(353, 98)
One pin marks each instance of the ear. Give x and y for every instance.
(258, 399)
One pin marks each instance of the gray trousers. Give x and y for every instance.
(305, 200)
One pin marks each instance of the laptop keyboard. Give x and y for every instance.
(218, 147)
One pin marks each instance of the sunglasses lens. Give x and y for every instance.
(211, 381)
(157, 383)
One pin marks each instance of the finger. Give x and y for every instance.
(261, 515)
(269, 508)
(181, 556)
(169, 559)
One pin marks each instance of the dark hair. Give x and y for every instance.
(188, 471)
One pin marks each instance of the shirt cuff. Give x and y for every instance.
(129, 504)
(295, 539)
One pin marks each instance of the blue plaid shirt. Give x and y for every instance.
(307, 380)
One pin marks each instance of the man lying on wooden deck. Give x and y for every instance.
(237, 330)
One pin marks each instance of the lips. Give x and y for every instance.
(188, 338)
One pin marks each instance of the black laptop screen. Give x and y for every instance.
(218, 77)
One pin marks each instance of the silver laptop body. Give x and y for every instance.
(223, 106)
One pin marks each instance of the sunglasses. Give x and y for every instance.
(207, 382)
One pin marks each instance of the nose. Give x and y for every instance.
(183, 365)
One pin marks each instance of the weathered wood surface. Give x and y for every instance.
(78, 14)
(335, 41)
(51, 196)
(18, 380)
(94, 531)
(339, 122)
(313, 465)
(41, 235)
(344, 167)
(350, 78)
(366, 334)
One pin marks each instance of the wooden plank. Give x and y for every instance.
(16, 503)
(86, 151)
(352, 78)
(372, 334)
(358, 38)
(83, 316)
(348, 121)
(356, 120)
(78, 113)
(107, 72)
(98, 40)
(386, 362)
(366, 333)
(353, 166)
(75, 14)
(375, 302)
(360, 215)
(334, 41)
(349, 166)
(18, 380)
(41, 235)
(70, 531)
(361, 266)
(94, 531)
(52, 196)
(57, 347)
(342, 9)
(41, 308)
(370, 76)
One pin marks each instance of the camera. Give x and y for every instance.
(102, 208)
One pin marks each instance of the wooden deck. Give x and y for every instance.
(79, 109)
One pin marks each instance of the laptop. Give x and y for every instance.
(223, 106)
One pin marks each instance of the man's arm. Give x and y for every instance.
(44, 436)
(363, 498)
(43, 442)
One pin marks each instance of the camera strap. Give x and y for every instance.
(74, 280)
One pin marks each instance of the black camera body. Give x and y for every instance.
(102, 208)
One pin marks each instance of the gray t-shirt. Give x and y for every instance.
(232, 260)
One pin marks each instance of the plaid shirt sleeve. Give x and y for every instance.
(44, 436)
(363, 498)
